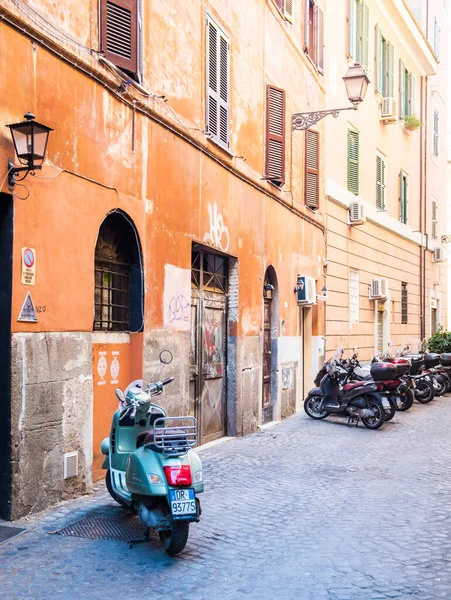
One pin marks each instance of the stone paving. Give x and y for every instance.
(306, 510)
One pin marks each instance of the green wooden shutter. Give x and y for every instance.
(365, 35)
(378, 59)
(380, 183)
(402, 90)
(412, 93)
(402, 197)
(391, 70)
(434, 219)
(353, 161)
(312, 169)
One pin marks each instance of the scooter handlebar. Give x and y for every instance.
(168, 380)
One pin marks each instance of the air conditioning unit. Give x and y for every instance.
(439, 254)
(378, 288)
(388, 110)
(306, 290)
(356, 213)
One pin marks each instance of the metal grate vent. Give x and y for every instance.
(94, 527)
(8, 532)
(70, 465)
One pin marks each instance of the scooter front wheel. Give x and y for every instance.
(312, 407)
(174, 539)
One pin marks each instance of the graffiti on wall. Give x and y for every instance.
(218, 235)
(176, 303)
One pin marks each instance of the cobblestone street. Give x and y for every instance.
(304, 510)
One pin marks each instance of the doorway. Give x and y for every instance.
(6, 261)
(208, 352)
(269, 356)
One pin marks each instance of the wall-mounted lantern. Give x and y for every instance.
(356, 82)
(30, 142)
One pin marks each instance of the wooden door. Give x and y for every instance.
(267, 408)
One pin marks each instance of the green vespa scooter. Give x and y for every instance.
(150, 465)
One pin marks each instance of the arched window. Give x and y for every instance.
(118, 296)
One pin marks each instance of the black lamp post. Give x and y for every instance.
(356, 82)
(30, 142)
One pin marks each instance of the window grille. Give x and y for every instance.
(209, 272)
(354, 296)
(112, 296)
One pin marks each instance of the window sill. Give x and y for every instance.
(220, 145)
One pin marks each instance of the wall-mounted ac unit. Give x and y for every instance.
(378, 288)
(356, 213)
(388, 110)
(439, 254)
(306, 290)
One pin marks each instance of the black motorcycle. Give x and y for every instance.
(354, 401)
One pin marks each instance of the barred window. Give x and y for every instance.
(404, 312)
(118, 302)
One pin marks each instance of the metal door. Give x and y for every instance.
(267, 411)
(208, 344)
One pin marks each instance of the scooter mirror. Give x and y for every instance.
(119, 394)
(166, 357)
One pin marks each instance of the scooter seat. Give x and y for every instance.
(351, 386)
(145, 437)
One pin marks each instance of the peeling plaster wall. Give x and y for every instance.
(51, 415)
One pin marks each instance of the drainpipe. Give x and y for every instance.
(425, 249)
(421, 211)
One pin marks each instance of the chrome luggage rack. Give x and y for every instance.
(174, 436)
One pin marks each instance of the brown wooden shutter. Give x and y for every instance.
(275, 134)
(320, 54)
(312, 169)
(119, 33)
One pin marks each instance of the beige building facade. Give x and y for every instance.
(386, 175)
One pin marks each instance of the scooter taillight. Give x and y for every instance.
(178, 475)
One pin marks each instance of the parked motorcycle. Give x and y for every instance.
(150, 464)
(423, 383)
(354, 401)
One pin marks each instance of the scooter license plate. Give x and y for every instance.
(183, 504)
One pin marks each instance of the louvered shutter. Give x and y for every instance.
(275, 134)
(320, 37)
(378, 59)
(312, 169)
(352, 19)
(412, 93)
(119, 38)
(380, 183)
(402, 90)
(288, 9)
(391, 70)
(436, 133)
(217, 84)
(403, 197)
(365, 35)
(434, 219)
(307, 26)
(353, 161)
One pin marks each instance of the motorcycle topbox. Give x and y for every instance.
(446, 359)
(402, 365)
(431, 360)
(381, 371)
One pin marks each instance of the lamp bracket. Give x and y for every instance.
(306, 120)
(13, 172)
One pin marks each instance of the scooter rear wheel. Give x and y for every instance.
(174, 540)
(424, 391)
(406, 399)
(378, 418)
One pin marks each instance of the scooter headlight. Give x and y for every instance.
(197, 477)
(155, 478)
